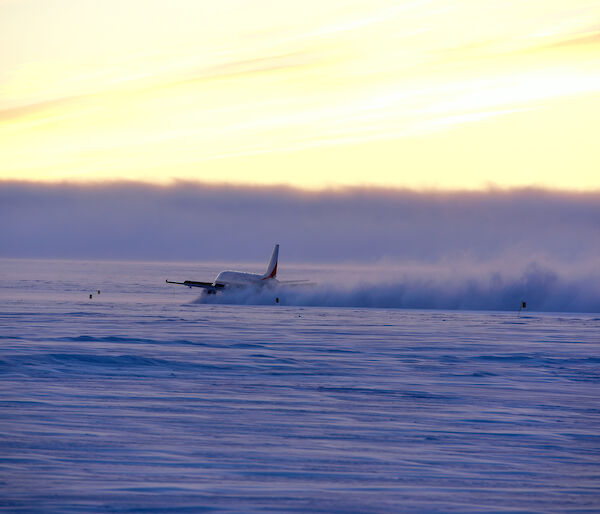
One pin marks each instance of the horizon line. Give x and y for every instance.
(175, 183)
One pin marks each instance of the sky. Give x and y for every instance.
(422, 94)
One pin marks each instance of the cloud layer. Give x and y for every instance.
(195, 222)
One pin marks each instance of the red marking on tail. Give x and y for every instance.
(273, 273)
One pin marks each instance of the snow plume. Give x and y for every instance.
(542, 288)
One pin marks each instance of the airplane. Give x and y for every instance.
(238, 279)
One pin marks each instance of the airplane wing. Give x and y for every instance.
(192, 283)
(296, 283)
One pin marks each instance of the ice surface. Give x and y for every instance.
(142, 400)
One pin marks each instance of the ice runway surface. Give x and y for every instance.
(141, 401)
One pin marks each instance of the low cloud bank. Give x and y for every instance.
(209, 223)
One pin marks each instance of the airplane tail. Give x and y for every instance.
(272, 268)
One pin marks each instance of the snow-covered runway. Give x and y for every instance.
(143, 401)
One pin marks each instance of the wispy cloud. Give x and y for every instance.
(173, 90)
(586, 39)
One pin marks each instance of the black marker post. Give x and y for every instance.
(523, 306)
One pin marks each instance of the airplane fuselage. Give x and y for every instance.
(241, 279)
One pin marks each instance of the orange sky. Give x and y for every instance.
(420, 94)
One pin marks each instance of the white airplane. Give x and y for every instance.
(239, 279)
